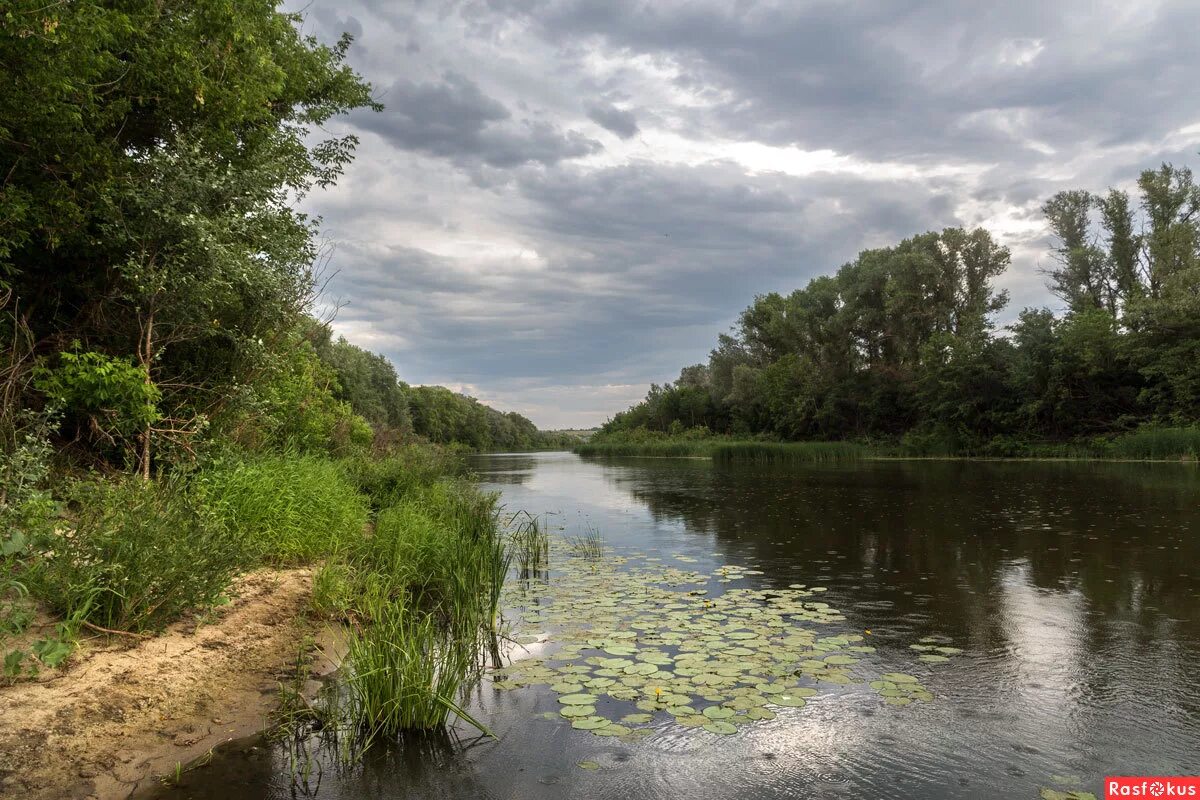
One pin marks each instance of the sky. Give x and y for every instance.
(564, 201)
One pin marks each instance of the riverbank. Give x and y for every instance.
(127, 711)
(1149, 444)
(146, 622)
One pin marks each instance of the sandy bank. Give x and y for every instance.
(127, 711)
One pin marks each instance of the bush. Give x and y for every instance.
(138, 556)
(286, 510)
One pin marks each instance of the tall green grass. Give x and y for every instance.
(427, 588)
(136, 556)
(407, 670)
(388, 480)
(530, 546)
(663, 449)
(1158, 444)
(788, 452)
(286, 510)
(726, 450)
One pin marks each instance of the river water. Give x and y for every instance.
(1072, 590)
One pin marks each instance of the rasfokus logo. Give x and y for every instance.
(1155, 786)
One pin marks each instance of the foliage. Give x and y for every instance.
(102, 397)
(443, 417)
(152, 154)
(285, 510)
(137, 556)
(292, 407)
(899, 345)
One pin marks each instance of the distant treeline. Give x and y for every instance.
(900, 345)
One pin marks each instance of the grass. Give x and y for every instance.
(1149, 443)
(788, 452)
(407, 670)
(699, 448)
(589, 545)
(137, 555)
(424, 590)
(1155, 443)
(730, 451)
(530, 546)
(286, 510)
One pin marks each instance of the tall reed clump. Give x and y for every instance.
(661, 449)
(407, 669)
(286, 510)
(1158, 444)
(429, 580)
(530, 546)
(137, 555)
(788, 452)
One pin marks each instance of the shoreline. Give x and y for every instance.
(126, 713)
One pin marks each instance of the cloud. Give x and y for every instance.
(486, 238)
(453, 118)
(615, 120)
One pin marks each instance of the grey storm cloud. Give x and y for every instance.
(619, 121)
(453, 118)
(485, 238)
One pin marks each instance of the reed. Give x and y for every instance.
(530, 545)
(407, 670)
(1155, 443)
(788, 452)
(588, 545)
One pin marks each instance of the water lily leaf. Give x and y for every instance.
(590, 723)
(612, 729)
(898, 677)
(577, 699)
(720, 727)
(718, 712)
(577, 711)
(566, 688)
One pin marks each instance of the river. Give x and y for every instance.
(1065, 595)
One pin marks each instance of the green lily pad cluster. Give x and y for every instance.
(681, 647)
(935, 650)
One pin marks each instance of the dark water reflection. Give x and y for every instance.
(1073, 588)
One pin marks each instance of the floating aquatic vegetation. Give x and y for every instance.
(1058, 794)
(636, 638)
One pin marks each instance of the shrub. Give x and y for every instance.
(286, 510)
(138, 556)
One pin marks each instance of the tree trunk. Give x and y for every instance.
(147, 357)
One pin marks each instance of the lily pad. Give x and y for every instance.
(577, 699)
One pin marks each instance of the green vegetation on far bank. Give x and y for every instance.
(1145, 444)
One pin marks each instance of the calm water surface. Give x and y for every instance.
(1073, 588)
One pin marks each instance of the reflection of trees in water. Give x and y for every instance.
(509, 469)
(947, 540)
